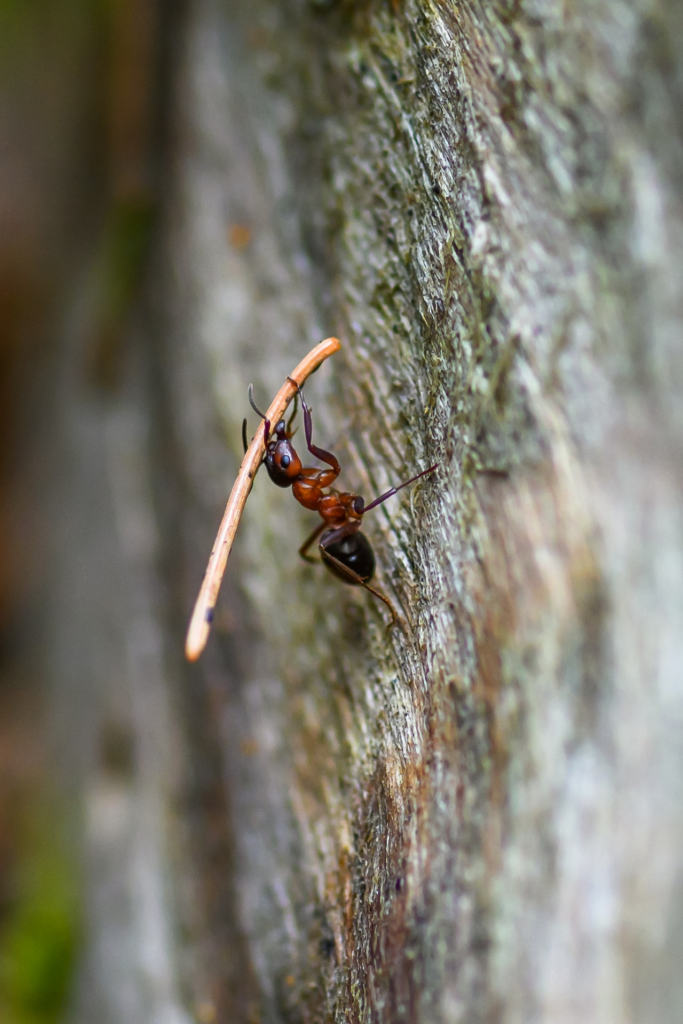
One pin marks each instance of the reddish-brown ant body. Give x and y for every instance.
(344, 549)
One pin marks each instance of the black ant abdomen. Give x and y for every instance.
(354, 552)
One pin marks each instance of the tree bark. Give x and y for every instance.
(475, 815)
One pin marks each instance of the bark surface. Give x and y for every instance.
(475, 816)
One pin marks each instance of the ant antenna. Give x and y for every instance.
(253, 404)
(291, 418)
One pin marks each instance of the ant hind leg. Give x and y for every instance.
(354, 578)
(394, 490)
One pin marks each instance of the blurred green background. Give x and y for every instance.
(80, 129)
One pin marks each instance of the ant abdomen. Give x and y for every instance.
(354, 552)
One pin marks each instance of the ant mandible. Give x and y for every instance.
(344, 549)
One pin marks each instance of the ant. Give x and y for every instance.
(344, 549)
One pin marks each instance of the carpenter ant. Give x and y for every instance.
(344, 549)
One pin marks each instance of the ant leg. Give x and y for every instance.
(353, 577)
(306, 545)
(395, 490)
(344, 570)
(319, 453)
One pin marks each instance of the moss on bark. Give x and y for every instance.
(435, 823)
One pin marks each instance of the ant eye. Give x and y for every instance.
(358, 505)
(285, 461)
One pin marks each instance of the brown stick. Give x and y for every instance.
(200, 623)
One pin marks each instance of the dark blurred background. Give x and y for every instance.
(81, 129)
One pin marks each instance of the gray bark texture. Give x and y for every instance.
(475, 816)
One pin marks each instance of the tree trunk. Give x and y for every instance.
(475, 815)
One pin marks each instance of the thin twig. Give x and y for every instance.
(202, 616)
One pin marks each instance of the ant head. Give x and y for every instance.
(282, 462)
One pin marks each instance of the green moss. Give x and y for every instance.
(124, 250)
(39, 938)
(17, 15)
(124, 247)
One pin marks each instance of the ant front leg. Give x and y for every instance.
(319, 453)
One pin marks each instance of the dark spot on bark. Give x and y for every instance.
(117, 750)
